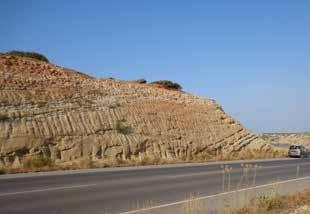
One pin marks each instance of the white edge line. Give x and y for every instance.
(211, 196)
(87, 185)
(47, 189)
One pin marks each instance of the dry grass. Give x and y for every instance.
(271, 203)
(4, 116)
(37, 163)
(44, 164)
(144, 208)
(251, 154)
(85, 164)
(30, 165)
(275, 204)
(192, 206)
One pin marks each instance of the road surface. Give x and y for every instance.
(121, 190)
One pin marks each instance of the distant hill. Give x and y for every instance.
(301, 138)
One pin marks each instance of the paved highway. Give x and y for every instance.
(124, 189)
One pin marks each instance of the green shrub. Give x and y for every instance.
(4, 117)
(269, 202)
(114, 105)
(121, 128)
(140, 81)
(41, 103)
(168, 84)
(2, 171)
(38, 162)
(33, 55)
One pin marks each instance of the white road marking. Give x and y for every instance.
(285, 165)
(47, 189)
(234, 170)
(165, 176)
(215, 195)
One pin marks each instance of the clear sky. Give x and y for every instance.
(250, 56)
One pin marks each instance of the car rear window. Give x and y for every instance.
(294, 147)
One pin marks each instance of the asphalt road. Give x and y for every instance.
(121, 190)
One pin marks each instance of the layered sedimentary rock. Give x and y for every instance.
(66, 115)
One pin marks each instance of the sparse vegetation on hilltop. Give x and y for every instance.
(141, 81)
(168, 84)
(33, 55)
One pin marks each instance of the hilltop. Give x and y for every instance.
(67, 116)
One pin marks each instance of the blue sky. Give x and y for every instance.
(250, 56)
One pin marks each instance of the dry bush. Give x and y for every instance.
(121, 128)
(146, 160)
(251, 154)
(38, 162)
(11, 170)
(2, 171)
(192, 206)
(145, 208)
(140, 81)
(85, 164)
(119, 162)
(267, 205)
(271, 203)
(168, 84)
(4, 116)
(32, 55)
(31, 164)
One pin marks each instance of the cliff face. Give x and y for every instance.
(66, 115)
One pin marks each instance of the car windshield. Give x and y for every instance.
(294, 147)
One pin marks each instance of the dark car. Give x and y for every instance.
(298, 151)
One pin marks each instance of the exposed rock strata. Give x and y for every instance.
(66, 115)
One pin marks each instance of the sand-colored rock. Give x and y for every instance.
(66, 115)
(302, 210)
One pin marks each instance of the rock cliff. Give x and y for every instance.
(67, 115)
